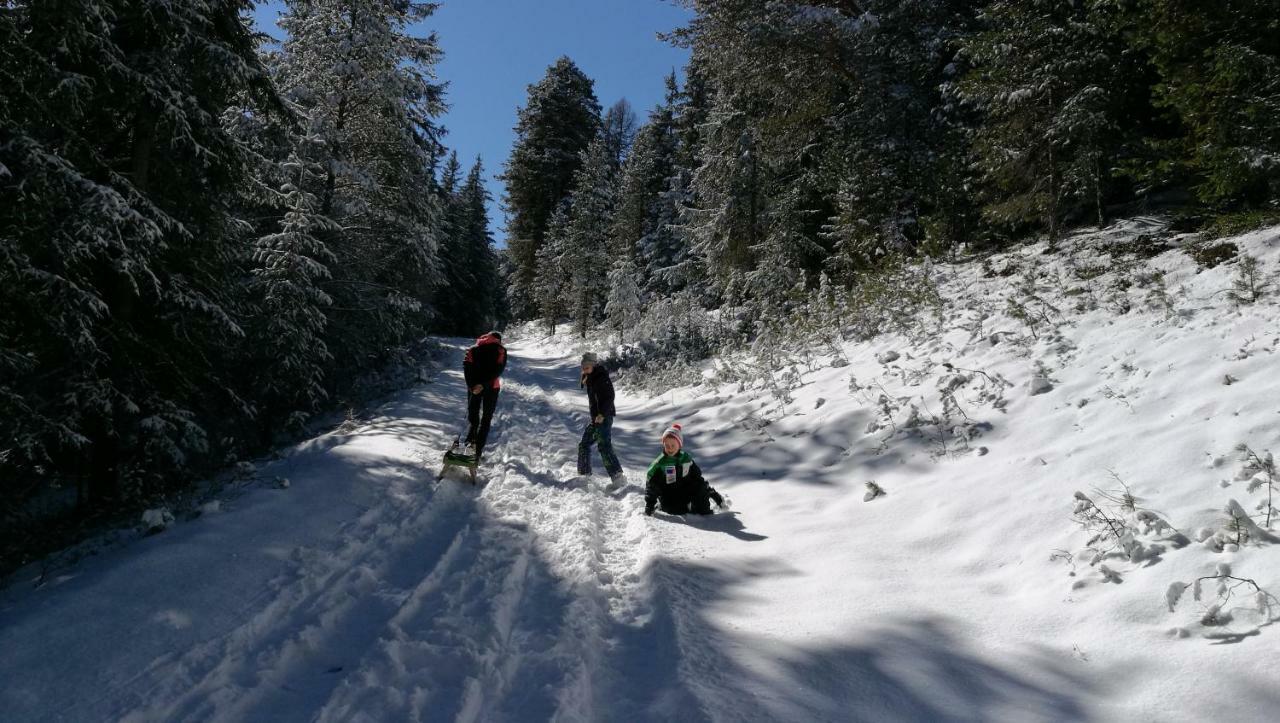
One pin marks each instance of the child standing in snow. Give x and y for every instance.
(675, 481)
(599, 429)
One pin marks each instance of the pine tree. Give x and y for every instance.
(729, 191)
(550, 292)
(635, 195)
(559, 120)
(1043, 79)
(452, 301)
(844, 98)
(690, 105)
(618, 128)
(646, 224)
(897, 149)
(364, 82)
(671, 258)
(783, 254)
(486, 296)
(769, 71)
(1218, 66)
(586, 259)
(118, 237)
(286, 334)
(673, 266)
(625, 304)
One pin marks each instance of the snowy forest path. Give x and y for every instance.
(364, 591)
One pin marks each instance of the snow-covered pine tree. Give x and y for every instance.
(646, 224)
(672, 259)
(1043, 77)
(117, 237)
(779, 77)
(636, 195)
(482, 263)
(618, 128)
(727, 220)
(557, 123)
(366, 84)
(672, 265)
(286, 333)
(1218, 67)
(690, 104)
(783, 254)
(625, 303)
(896, 148)
(847, 96)
(551, 284)
(454, 297)
(586, 259)
(733, 77)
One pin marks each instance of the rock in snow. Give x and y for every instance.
(1039, 385)
(156, 520)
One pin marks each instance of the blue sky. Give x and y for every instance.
(493, 50)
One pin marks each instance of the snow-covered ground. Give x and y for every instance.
(970, 590)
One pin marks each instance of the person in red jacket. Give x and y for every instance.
(482, 367)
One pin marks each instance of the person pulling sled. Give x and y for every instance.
(482, 368)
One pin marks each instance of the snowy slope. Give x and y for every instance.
(365, 591)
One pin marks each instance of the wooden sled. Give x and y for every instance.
(453, 457)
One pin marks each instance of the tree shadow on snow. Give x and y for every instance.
(825, 456)
(914, 668)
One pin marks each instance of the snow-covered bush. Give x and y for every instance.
(1119, 528)
(1157, 296)
(1250, 283)
(1260, 470)
(954, 393)
(1261, 606)
(675, 336)
(1027, 303)
(1237, 529)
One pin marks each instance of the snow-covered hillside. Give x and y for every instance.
(978, 586)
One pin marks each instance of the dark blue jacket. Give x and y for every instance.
(599, 392)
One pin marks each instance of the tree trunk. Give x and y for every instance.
(1053, 183)
(143, 143)
(104, 463)
(331, 178)
(1097, 189)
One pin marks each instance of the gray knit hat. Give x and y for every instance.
(589, 358)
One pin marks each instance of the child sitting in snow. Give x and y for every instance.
(675, 481)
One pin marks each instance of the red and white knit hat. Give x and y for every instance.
(675, 430)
